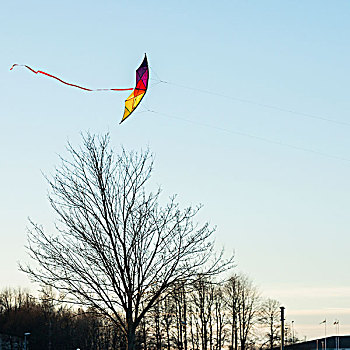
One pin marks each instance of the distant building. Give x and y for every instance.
(341, 342)
(10, 342)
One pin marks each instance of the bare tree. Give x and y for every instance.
(243, 300)
(232, 298)
(220, 318)
(203, 300)
(269, 317)
(116, 249)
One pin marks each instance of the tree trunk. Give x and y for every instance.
(236, 338)
(144, 336)
(272, 334)
(131, 336)
(184, 316)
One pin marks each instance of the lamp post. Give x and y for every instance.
(282, 328)
(25, 340)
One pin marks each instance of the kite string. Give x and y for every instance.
(256, 137)
(264, 105)
(64, 82)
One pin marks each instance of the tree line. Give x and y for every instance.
(202, 316)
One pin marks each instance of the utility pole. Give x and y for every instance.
(282, 327)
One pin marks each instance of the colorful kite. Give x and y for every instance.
(142, 75)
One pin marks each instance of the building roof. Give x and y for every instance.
(319, 344)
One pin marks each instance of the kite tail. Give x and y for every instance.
(64, 82)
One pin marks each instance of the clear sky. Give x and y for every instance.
(283, 210)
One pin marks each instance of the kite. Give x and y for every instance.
(142, 75)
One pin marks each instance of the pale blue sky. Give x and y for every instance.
(284, 211)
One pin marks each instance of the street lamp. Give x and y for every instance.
(25, 340)
(282, 327)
